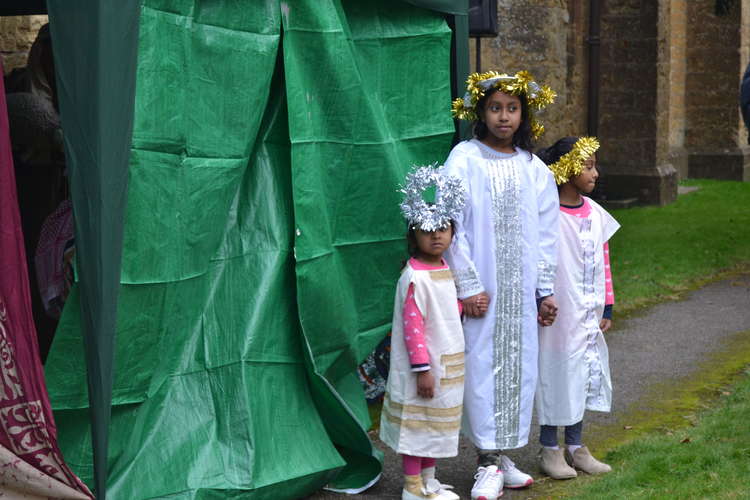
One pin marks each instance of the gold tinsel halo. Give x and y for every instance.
(571, 163)
(522, 83)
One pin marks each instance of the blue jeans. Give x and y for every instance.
(573, 433)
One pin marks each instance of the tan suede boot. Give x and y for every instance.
(552, 462)
(583, 460)
(414, 489)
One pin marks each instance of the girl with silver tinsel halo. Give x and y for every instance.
(421, 413)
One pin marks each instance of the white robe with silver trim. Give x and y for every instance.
(573, 356)
(506, 245)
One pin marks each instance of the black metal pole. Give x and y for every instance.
(594, 43)
(478, 68)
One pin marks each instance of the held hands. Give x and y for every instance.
(605, 324)
(547, 311)
(425, 384)
(477, 305)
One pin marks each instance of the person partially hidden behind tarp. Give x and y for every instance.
(39, 159)
(373, 371)
(745, 100)
(54, 259)
(32, 106)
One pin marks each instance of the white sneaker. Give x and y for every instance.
(513, 477)
(442, 491)
(432, 484)
(488, 484)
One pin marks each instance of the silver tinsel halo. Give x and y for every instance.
(449, 201)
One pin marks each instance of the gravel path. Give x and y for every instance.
(664, 342)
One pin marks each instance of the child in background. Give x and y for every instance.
(573, 358)
(421, 413)
(503, 256)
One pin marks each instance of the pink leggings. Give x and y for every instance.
(413, 465)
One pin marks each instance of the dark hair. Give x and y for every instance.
(522, 136)
(411, 240)
(553, 153)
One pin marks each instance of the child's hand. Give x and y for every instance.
(547, 311)
(477, 305)
(605, 324)
(425, 384)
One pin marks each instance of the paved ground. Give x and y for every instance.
(662, 343)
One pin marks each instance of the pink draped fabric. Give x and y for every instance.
(27, 428)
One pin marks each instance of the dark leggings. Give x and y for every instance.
(548, 434)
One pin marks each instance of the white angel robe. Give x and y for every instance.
(506, 245)
(410, 424)
(573, 357)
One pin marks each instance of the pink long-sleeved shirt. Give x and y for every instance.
(414, 335)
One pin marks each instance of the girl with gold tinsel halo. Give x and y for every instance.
(503, 257)
(573, 357)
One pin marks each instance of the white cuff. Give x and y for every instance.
(467, 282)
(545, 281)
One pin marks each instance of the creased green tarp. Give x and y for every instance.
(354, 133)
(95, 49)
(234, 360)
(459, 11)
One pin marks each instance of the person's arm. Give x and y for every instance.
(414, 337)
(548, 202)
(609, 297)
(416, 346)
(468, 282)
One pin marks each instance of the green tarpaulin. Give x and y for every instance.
(262, 243)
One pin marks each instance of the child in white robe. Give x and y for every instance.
(421, 414)
(503, 257)
(573, 357)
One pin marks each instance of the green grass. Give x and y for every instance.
(661, 252)
(708, 460)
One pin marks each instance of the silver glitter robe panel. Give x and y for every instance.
(506, 201)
